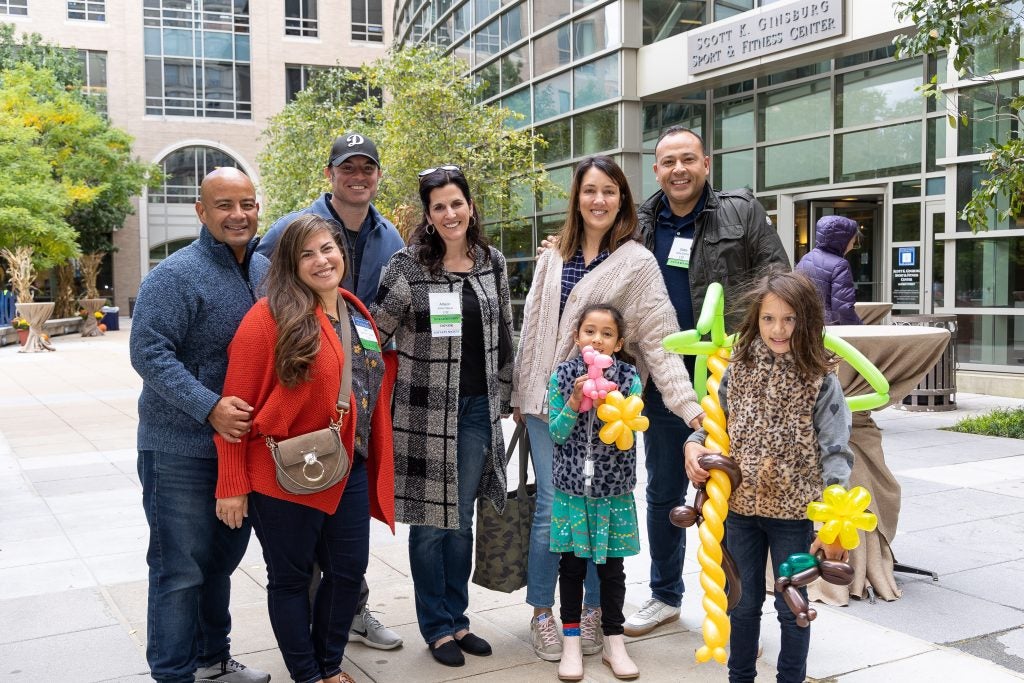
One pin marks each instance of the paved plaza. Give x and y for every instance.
(73, 543)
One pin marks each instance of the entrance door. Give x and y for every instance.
(866, 259)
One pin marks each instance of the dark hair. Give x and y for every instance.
(431, 247)
(620, 322)
(676, 130)
(292, 303)
(807, 346)
(625, 227)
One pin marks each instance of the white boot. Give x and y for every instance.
(570, 668)
(616, 657)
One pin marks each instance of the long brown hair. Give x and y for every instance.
(625, 227)
(292, 303)
(431, 247)
(807, 347)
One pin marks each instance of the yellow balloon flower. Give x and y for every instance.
(842, 513)
(622, 417)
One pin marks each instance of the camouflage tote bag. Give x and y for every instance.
(503, 541)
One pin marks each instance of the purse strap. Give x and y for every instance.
(520, 439)
(345, 390)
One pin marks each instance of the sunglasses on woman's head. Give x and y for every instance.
(450, 168)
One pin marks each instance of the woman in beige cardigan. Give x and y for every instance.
(598, 260)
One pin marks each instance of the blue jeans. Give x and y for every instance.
(294, 537)
(441, 559)
(542, 567)
(749, 540)
(666, 489)
(191, 557)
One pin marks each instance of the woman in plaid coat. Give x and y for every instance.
(443, 300)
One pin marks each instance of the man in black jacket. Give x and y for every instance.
(699, 236)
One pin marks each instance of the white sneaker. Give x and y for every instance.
(230, 671)
(592, 638)
(547, 637)
(366, 629)
(650, 616)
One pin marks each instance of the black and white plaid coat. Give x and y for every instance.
(426, 394)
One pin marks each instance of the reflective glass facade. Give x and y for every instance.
(835, 130)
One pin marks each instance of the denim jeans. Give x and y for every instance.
(666, 489)
(542, 567)
(294, 537)
(441, 559)
(191, 557)
(749, 540)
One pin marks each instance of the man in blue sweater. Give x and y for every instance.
(187, 311)
(353, 169)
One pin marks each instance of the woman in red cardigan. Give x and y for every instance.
(286, 362)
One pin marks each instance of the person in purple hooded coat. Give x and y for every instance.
(826, 265)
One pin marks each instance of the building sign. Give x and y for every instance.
(763, 31)
(906, 277)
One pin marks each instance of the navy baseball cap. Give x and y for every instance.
(350, 145)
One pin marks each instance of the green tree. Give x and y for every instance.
(32, 49)
(981, 37)
(427, 117)
(88, 157)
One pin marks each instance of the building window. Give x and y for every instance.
(197, 58)
(94, 76)
(297, 77)
(183, 170)
(300, 18)
(87, 10)
(367, 21)
(14, 7)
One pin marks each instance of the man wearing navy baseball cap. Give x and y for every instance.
(353, 169)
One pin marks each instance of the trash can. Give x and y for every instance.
(937, 390)
(110, 317)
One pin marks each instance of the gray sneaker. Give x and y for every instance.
(547, 640)
(230, 671)
(592, 638)
(366, 629)
(650, 616)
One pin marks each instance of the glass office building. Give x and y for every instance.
(800, 100)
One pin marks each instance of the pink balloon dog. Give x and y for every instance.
(596, 387)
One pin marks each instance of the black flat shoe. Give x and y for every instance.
(448, 654)
(474, 645)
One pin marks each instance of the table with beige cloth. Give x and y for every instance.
(904, 354)
(872, 312)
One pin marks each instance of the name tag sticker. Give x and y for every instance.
(679, 253)
(445, 314)
(365, 331)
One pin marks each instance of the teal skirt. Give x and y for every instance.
(595, 528)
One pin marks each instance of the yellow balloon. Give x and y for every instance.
(842, 513)
(622, 417)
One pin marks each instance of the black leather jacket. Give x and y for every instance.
(733, 241)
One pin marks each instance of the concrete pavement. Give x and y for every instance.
(73, 541)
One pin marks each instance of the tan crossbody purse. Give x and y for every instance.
(318, 460)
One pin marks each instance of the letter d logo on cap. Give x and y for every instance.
(355, 140)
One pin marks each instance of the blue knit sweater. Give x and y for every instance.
(186, 314)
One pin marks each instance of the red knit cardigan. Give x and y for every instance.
(283, 412)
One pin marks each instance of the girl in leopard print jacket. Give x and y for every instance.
(789, 429)
(593, 516)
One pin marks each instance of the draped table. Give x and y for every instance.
(872, 312)
(36, 314)
(904, 354)
(90, 327)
